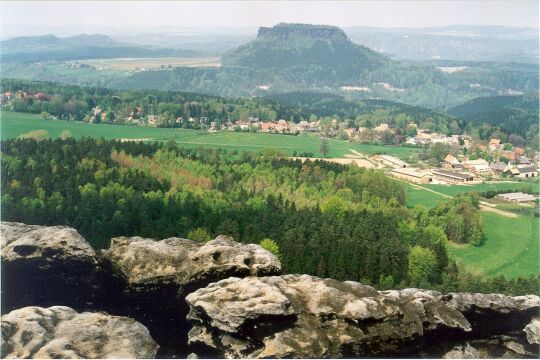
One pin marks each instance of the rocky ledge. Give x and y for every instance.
(163, 272)
(301, 316)
(140, 278)
(235, 305)
(47, 266)
(61, 332)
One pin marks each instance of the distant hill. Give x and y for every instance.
(319, 51)
(325, 104)
(513, 114)
(282, 59)
(49, 47)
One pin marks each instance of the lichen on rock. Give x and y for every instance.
(303, 316)
(61, 332)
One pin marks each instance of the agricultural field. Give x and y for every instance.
(129, 64)
(16, 124)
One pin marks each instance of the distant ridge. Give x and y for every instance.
(29, 49)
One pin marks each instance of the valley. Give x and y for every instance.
(253, 179)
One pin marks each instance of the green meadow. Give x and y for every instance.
(16, 124)
(511, 246)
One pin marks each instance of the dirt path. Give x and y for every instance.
(489, 208)
(484, 206)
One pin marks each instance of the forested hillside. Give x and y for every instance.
(322, 53)
(512, 114)
(327, 219)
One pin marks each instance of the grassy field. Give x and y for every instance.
(511, 246)
(15, 124)
(418, 196)
(454, 190)
(153, 63)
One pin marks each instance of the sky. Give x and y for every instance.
(34, 17)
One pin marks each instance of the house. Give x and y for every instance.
(519, 151)
(350, 132)
(498, 167)
(103, 116)
(517, 197)
(450, 162)
(41, 97)
(266, 126)
(393, 161)
(8, 95)
(303, 125)
(452, 176)
(381, 128)
(523, 161)
(313, 126)
(527, 172)
(494, 144)
(412, 141)
(21, 94)
(282, 125)
(412, 174)
(152, 120)
(478, 166)
(512, 171)
(481, 147)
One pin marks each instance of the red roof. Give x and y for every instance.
(8, 94)
(41, 96)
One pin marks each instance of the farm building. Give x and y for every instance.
(412, 175)
(452, 176)
(479, 165)
(498, 166)
(517, 197)
(393, 161)
(526, 172)
(450, 162)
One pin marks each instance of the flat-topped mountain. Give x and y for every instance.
(323, 51)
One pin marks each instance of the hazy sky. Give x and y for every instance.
(48, 15)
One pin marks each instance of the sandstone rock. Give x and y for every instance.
(532, 330)
(184, 262)
(483, 310)
(304, 316)
(157, 275)
(61, 332)
(46, 266)
(462, 352)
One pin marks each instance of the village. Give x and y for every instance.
(459, 158)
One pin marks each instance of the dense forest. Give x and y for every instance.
(516, 115)
(326, 219)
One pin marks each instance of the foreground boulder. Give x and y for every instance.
(304, 316)
(61, 332)
(155, 277)
(47, 266)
